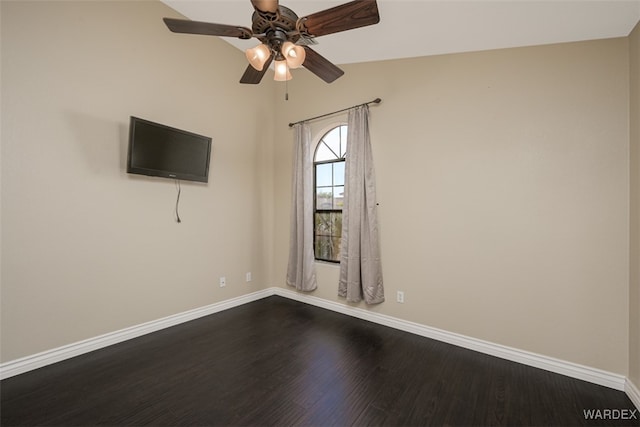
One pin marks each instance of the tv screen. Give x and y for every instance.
(160, 150)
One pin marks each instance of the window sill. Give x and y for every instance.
(327, 263)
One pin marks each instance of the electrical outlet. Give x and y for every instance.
(223, 282)
(248, 276)
(400, 297)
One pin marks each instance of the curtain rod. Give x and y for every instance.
(375, 101)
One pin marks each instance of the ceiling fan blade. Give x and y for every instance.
(320, 66)
(207, 28)
(253, 76)
(355, 14)
(270, 6)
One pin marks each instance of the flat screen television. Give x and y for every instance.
(159, 150)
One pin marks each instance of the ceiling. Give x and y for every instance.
(412, 28)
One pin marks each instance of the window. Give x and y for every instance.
(328, 169)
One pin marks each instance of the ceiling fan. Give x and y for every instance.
(285, 38)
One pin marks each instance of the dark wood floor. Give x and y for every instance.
(280, 362)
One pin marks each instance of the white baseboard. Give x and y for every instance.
(586, 373)
(569, 369)
(39, 360)
(633, 392)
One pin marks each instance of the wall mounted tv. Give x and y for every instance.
(160, 150)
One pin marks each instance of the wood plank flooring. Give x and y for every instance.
(280, 362)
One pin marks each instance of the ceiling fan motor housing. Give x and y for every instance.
(277, 27)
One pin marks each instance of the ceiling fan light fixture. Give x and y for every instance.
(275, 25)
(295, 55)
(266, 5)
(257, 56)
(282, 71)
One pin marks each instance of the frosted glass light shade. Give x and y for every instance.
(282, 71)
(295, 55)
(265, 5)
(257, 56)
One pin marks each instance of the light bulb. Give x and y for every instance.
(282, 71)
(257, 56)
(266, 5)
(295, 55)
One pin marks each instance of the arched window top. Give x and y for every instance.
(332, 146)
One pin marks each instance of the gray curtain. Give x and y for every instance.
(301, 272)
(360, 265)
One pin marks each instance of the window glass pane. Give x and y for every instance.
(324, 198)
(324, 175)
(336, 224)
(338, 197)
(323, 247)
(328, 248)
(338, 173)
(343, 141)
(332, 139)
(323, 153)
(323, 224)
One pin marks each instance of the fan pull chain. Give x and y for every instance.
(286, 90)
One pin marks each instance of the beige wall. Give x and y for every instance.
(86, 248)
(503, 189)
(634, 254)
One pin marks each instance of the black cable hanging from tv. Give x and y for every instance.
(178, 201)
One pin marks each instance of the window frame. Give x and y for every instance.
(317, 143)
